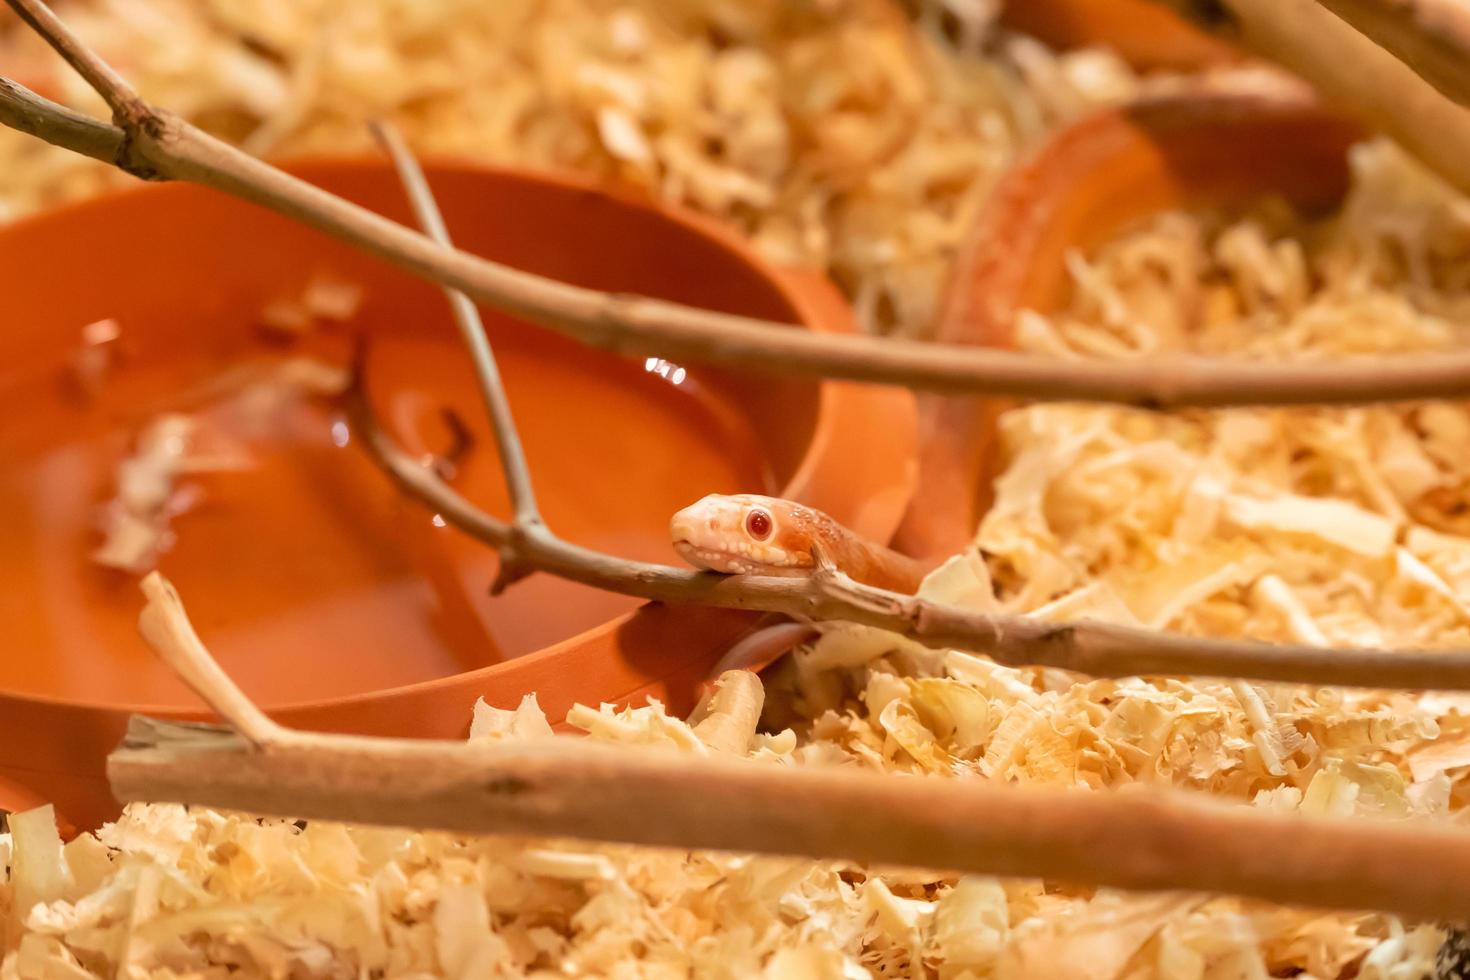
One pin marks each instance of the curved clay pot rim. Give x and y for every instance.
(1076, 188)
(815, 301)
(1145, 34)
(1032, 193)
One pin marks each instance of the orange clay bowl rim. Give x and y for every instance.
(1078, 187)
(816, 301)
(1144, 141)
(1143, 33)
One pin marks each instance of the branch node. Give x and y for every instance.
(513, 568)
(142, 126)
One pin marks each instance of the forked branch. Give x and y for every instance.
(472, 330)
(1319, 41)
(1096, 649)
(155, 143)
(1430, 36)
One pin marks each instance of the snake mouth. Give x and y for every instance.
(728, 563)
(710, 560)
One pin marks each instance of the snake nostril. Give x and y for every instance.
(681, 527)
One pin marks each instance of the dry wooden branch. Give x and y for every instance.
(1096, 649)
(168, 631)
(153, 143)
(120, 97)
(1143, 839)
(1137, 840)
(1430, 36)
(25, 111)
(1349, 70)
(472, 330)
(1091, 648)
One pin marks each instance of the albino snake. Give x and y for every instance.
(754, 535)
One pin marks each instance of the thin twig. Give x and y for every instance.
(1096, 649)
(120, 97)
(25, 111)
(158, 143)
(1350, 71)
(167, 629)
(1430, 36)
(471, 329)
(1139, 839)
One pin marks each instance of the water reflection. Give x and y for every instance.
(667, 370)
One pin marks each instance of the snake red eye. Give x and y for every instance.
(758, 523)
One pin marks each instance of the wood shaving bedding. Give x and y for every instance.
(851, 144)
(175, 892)
(1342, 525)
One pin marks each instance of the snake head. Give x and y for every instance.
(742, 533)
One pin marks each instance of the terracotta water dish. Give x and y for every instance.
(334, 601)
